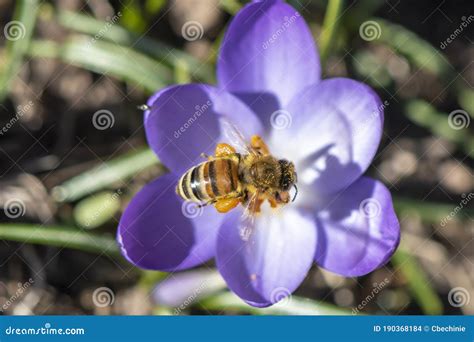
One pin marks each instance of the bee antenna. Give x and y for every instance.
(296, 192)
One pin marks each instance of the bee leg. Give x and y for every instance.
(244, 196)
(258, 205)
(223, 149)
(226, 204)
(257, 143)
(273, 202)
(207, 203)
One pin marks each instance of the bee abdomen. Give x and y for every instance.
(209, 180)
(190, 186)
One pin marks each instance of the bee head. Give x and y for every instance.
(288, 174)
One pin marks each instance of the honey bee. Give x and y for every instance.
(230, 178)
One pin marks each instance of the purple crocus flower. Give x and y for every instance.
(269, 84)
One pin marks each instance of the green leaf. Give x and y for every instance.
(330, 26)
(105, 58)
(119, 35)
(431, 212)
(426, 115)
(154, 6)
(94, 211)
(59, 236)
(466, 100)
(132, 17)
(181, 72)
(418, 282)
(290, 306)
(149, 279)
(20, 31)
(104, 175)
(230, 6)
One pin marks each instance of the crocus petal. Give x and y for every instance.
(358, 230)
(335, 128)
(159, 231)
(186, 120)
(182, 289)
(268, 55)
(273, 261)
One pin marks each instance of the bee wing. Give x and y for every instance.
(247, 220)
(235, 136)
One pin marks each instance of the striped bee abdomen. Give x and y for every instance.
(209, 180)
